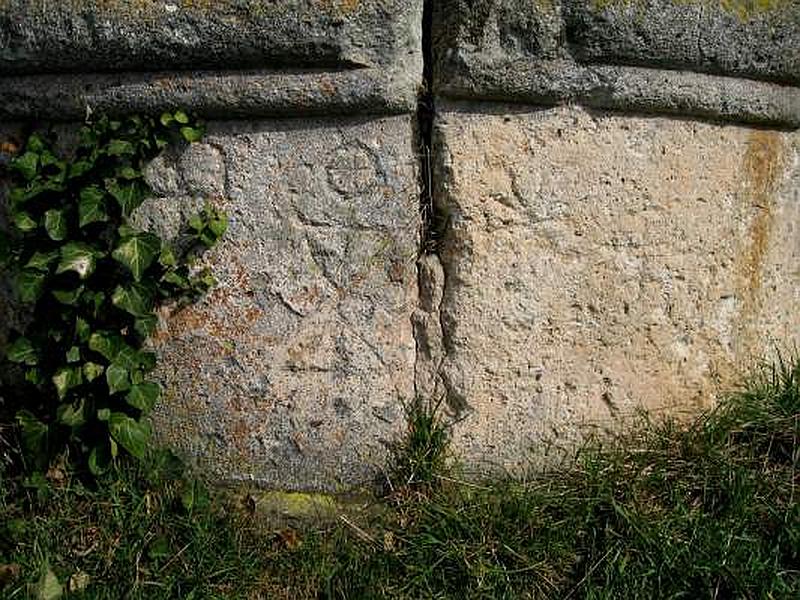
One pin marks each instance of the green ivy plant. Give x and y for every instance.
(92, 282)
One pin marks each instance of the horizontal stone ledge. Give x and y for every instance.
(635, 89)
(735, 38)
(41, 36)
(758, 39)
(211, 94)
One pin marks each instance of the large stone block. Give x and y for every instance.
(758, 39)
(671, 56)
(112, 36)
(222, 58)
(293, 371)
(595, 264)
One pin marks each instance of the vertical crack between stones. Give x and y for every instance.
(426, 320)
(425, 116)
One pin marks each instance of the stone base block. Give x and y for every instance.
(596, 264)
(293, 371)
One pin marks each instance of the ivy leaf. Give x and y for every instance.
(196, 222)
(192, 134)
(136, 299)
(92, 206)
(145, 326)
(146, 360)
(176, 279)
(129, 195)
(70, 415)
(117, 379)
(29, 284)
(195, 494)
(94, 302)
(41, 261)
(46, 158)
(34, 376)
(218, 224)
(181, 117)
(27, 165)
(106, 343)
(82, 329)
(23, 352)
(137, 377)
(137, 252)
(120, 148)
(99, 460)
(92, 371)
(24, 222)
(127, 357)
(73, 355)
(80, 167)
(34, 432)
(78, 257)
(68, 297)
(55, 222)
(144, 396)
(35, 143)
(65, 379)
(129, 433)
(167, 257)
(128, 173)
(166, 119)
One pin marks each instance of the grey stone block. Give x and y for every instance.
(228, 59)
(597, 264)
(745, 38)
(292, 373)
(711, 62)
(40, 36)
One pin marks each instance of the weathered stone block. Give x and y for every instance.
(758, 39)
(595, 264)
(100, 35)
(670, 56)
(222, 58)
(293, 371)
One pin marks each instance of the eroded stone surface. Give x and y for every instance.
(595, 264)
(665, 56)
(759, 40)
(292, 372)
(39, 36)
(222, 59)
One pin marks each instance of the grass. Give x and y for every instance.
(707, 509)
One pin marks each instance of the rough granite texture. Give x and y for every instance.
(597, 263)
(224, 59)
(292, 373)
(661, 56)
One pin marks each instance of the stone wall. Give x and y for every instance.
(616, 186)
